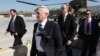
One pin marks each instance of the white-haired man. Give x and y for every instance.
(47, 40)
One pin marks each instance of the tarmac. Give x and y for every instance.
(6, 41)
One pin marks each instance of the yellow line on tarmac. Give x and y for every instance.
(4, 49)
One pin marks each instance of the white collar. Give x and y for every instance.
(65, 14)
(90, 19)
(43, 23)
(15, 16)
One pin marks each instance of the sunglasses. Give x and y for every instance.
(88, 13)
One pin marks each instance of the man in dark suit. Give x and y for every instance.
(89, 32)
(68, 28)
(16, 27)
(47, 40)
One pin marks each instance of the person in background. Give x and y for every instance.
(16, 27)
(68, 28)
(89, 33)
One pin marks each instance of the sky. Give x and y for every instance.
(6, 5)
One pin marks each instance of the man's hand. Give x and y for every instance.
(16, 33)
(69, 42)
(6, 33)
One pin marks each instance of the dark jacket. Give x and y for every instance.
(20, 27)
(95, 29)
(52, 44)
(68, 28)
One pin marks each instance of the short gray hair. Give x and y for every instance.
(44, 8)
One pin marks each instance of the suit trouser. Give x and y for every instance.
(69, 50)
(90, 46)
(17, 40)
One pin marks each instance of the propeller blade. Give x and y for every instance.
(55, 4)
(93, 0)
(28, 3)
(43, 0)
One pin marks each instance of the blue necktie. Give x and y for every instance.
(40, 27)
(12, 27)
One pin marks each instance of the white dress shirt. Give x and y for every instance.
(38, 38)
(12, 26)
(65, 16)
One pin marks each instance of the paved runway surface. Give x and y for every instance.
(7, 40)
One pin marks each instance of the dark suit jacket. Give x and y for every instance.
(52, 44)
(68, 27)
(19, 26)
(95, 29)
